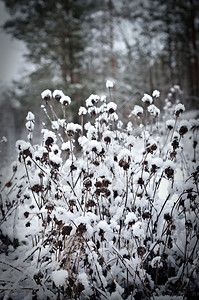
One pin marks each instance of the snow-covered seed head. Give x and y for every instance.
(30, 126)
(92, 100)
(71, 128)
(151, 146)
(30, 116)
(65, 100)
(109, 84)
(156, 163)
(124, 164)
(137, 111)
(169, 172)
(107, 139)
(66, 230)
(168, 217)
(87, 183)
(179, 108)
(124, 158)
(24, 148)
(70, 132)
(14, 166)
(184, 127)
(194, 124)
(111, 107)
(103, 98)
(81, 228)
(55, 160)
(46, 95)
(153, 110)
(156, 94)
(147, 99)
(130, 141)
(107, 136)
(49, 137)
(175, 142)
(170, 124)
(58, 94)
(92, 111)
(141, 251)
(3, 139)
(183, 130)
(82, 111)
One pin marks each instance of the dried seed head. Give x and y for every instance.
(141, 251)
(179, 109)
(124, 164)
(37, 188)
(170, 124)
(49, 206)
(57, 94)
(46, 95)
(65, 100)
(175, 144)
(168, 217)
(81, 228)
(169, 172)
(147, 99)
(66, 230)
(87, 183)
(107, 139)
(26, 214)
(183, 130)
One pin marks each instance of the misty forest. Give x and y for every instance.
(99, 189)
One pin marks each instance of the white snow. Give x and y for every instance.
(59, 277)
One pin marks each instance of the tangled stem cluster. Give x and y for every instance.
(103, 210)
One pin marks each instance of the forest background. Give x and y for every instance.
(77, 45)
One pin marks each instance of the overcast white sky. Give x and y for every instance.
(12, 62)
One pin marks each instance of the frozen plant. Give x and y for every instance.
(103, 210)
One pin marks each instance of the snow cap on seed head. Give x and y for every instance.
(65, 100)
(147, 99)
(109, 84)
(57, 94)
(156, 94)
(46, 95)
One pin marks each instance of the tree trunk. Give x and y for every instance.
(112, 59)
(195, 52)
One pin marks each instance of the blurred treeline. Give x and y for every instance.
(76, 45)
